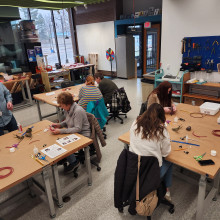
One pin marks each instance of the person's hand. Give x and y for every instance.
(174, 108)
(55, 131)
(167, 109)
(10, 106)
(56, 125)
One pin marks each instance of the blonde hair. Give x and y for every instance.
(90, 80)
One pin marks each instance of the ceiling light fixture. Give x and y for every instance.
(85, 5)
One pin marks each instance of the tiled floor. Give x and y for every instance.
(97, 202)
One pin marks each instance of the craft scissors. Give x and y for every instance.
(198, 158)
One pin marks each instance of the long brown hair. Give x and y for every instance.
(151, 122)
(162, 93)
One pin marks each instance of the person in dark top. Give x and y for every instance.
(106, 86)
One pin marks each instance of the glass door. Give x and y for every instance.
(151, 48)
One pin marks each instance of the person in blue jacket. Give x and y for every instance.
(7, 120)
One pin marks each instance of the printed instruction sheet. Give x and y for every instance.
(68, 139)
(53, 151)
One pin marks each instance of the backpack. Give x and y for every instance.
(125, 104)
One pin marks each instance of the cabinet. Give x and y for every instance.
(54, 78)
(179, 85)
(212, 90)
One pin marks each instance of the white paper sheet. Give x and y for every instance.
(53, 151)
(68, 139)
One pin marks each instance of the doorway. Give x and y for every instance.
(151, 49)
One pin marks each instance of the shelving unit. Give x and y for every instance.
(51, 79)
(201, 97)
(158, 79)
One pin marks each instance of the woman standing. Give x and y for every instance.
(89, 92)
(149, 137)
(162, 95)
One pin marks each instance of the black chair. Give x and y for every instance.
(126, 177)
(119, 105)
(143, 108)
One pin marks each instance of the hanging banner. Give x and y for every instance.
(38, 51)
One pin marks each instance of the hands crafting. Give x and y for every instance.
(55, 131)
(10, 106)
(55, 125)
(169, 109)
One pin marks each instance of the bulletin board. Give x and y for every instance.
(200, 53)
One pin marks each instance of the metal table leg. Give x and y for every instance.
(201, 197)
(22, 91)
(88, 165)
(38, 110)
(48, 192)
(93, 70)
(29, 92)
(57, 185)
(59, 114)
(126, 146)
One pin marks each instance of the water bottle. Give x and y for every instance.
(19, 128)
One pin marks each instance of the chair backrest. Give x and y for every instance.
(143, 107)
(100, 111)
(67, 84)
(119, 101)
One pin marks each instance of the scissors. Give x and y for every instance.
(42, 157)
(198, 158)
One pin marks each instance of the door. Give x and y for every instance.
(151, 49)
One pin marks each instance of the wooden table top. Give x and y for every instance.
(79, 66)
(16, 80)
(200, 127)
(51, 99)
(24, 166)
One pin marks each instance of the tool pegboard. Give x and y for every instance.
(200, 53)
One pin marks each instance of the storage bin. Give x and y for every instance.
(193, 101)
(209, 108)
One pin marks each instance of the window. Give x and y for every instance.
(64, 36)
(46, 35)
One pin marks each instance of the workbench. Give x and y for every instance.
(25, 167)
(200, 127)
(27, 100)
(51, 99)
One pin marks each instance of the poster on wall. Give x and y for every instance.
(38, 51)
(31, 55)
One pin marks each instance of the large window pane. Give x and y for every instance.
(46, 35)
(64, 36)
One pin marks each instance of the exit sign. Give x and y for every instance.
(147, 24)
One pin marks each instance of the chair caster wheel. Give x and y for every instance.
(126, 116)
(75, 175)
(106, 123)
(53, 216)
(89, 184)
(171, 210)
(98, 168)
(60, 205)
(120, 210)
(104, 129)
(122, 122)
(214, 199)
(105, 137)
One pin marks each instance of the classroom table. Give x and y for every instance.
(200, 127)
(26, 167)
(51, 99)
(28, 98)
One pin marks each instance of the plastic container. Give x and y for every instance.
(209, 108)
(19, 128)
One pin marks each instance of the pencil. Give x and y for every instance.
(181, 149)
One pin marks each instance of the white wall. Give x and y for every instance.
(97, 38)
(186, 18)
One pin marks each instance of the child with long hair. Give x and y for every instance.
(162, 95)
(149, 137)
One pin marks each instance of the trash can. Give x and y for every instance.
(147, 88)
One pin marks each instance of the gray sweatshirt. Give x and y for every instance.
(76, 121)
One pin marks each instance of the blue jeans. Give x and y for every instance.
(11, 126)
(166, 172)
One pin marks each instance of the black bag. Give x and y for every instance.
(125, 104)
